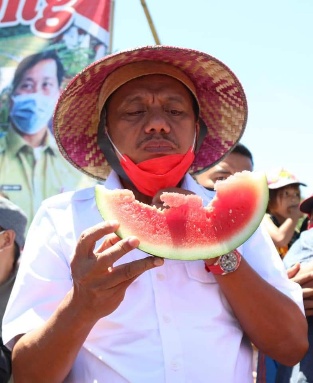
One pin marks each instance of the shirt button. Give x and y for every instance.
(175, 366)
(167, 319)
(160, 277)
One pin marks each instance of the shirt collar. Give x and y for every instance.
(15, 142)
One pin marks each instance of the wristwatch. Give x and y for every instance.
(226, 263)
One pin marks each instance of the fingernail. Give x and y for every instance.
(133, 241)
(158, 261)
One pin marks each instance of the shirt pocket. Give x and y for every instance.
(206, 290)
(196, 271)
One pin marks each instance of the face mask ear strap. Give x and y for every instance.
(203, 131)
(115, 148)
(107, 147)
(193, 147)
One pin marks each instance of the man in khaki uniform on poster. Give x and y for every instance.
(31, 167)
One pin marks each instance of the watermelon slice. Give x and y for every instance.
(185, 229)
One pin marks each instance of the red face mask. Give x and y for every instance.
(157, 173)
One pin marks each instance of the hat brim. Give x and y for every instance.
(222, 101)
(282, 183)
(306, 205)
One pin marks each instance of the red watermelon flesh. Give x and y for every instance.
(185, 229)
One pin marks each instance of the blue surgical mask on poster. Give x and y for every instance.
(31, 112)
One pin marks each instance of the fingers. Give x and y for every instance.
(110, 255)
(307, 293)
(293, 270)
(89, 265)
(308, 306)
(304, 278)
(130, 271)
(308, 312)
(109, 240)
(89, 237)
(118, 247)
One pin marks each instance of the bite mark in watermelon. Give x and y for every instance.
(185, 229)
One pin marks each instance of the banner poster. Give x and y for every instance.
(44, 43)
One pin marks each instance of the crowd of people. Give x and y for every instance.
(88, 306)
(287, 221)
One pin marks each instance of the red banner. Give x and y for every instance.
(43, 45)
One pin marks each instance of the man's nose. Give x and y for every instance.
(157, 123)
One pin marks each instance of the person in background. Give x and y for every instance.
(305, 224)
(88, 306)
(238, 160)
(298, 262)
(31, 166)
(301, 250)
(12, 237)
(283, 213)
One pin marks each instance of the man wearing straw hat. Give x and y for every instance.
(89, 307)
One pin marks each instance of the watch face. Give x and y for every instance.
(228, 262)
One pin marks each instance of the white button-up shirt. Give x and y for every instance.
(174, 324)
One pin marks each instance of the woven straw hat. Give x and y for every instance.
(221, 98)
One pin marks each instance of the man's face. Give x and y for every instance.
(232, 164)
(151, 116)
(287, 201)
(41, 78)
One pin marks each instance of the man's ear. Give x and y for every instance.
(8, 238)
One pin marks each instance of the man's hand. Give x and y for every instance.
(303, 274)
(295, 213)
(99, 286)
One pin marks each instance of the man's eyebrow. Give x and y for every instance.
(132, 98)
(221, 171)
(137, 98)
(176, 97)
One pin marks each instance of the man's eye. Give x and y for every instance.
(174, 112)
(135, 112)
(221, 178)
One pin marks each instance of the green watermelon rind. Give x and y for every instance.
(198, 252)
